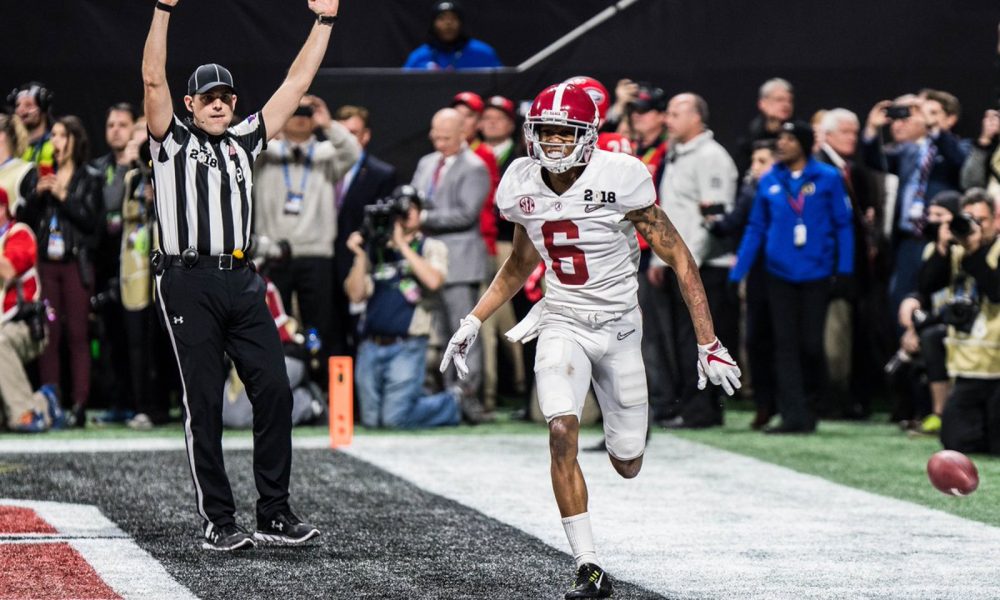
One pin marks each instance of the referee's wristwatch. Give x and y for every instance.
(326, 19)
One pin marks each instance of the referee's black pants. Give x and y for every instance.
(211, 313)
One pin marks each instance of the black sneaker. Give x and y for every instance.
(284, 528)
(591, 582)
(227, 538)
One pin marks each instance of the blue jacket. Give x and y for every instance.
(826, 214)
(474, 55)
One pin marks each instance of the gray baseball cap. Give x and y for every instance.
(209, 76)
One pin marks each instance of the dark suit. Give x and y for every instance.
(374, 180)
(870, 338)
(904, 161)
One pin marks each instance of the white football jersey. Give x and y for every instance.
(589, 248)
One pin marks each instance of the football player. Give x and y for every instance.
(577, 208)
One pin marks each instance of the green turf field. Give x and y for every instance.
(874, 456)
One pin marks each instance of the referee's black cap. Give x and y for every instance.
(209, 76)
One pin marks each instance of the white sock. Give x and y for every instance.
(581, 538)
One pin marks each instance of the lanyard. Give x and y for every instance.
(797, 203)
(5, 228)
(305, 169)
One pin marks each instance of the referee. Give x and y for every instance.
(212, 302)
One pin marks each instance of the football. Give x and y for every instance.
(952, 473)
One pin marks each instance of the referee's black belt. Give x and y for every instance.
(221, 262)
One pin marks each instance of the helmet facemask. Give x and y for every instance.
(553, 156)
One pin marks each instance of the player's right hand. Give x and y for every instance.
(715, 364)
(459, 345)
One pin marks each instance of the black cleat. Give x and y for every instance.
(284, 528)
(591, 582)
(227, 538)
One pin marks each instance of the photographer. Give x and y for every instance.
(968, 266)
(22, 327)
(397, 271)
(927, 159)
(924, 332)
(295, 199)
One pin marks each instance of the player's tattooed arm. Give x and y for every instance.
(653, 224)
(511, 276)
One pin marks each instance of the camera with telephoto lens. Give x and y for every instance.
(36, 316)
(962, 225)
(960, 312)
(381, 217)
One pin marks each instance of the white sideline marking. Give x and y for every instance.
(125, 567)
(43, 445)
(703, 523)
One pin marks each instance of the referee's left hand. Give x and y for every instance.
(326, 8)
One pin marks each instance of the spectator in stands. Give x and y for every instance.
(115, 360)
(927, 160)
(982, 167)
(448, 46)
(497, 128)
(759, 335)
(699, 181)
(22, 331)
(969, 269)
(369, 180)
(32, 103)
(17, 176)
(944, 109)
(802, 219)
(294, 201)
(856, 340)
(64, 213)
(775, 106)
(398, 279)
(455, 183)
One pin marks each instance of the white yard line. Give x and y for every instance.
(128, 569)
(703, 523)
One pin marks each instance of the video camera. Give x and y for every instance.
(380, 218)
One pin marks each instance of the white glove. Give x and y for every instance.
(458, 346)
(715, 364)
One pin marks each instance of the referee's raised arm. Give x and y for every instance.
(157, 105)
(300, 75)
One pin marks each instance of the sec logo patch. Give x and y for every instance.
(527, 204)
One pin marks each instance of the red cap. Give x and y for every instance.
(470, 99)
(501, 103)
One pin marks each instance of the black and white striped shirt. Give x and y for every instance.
(203, 186)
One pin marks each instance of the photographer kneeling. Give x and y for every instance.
(22, 327)
(969, 267)
(397, 271)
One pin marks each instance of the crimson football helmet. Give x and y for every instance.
(563, 105)
(597, 92)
